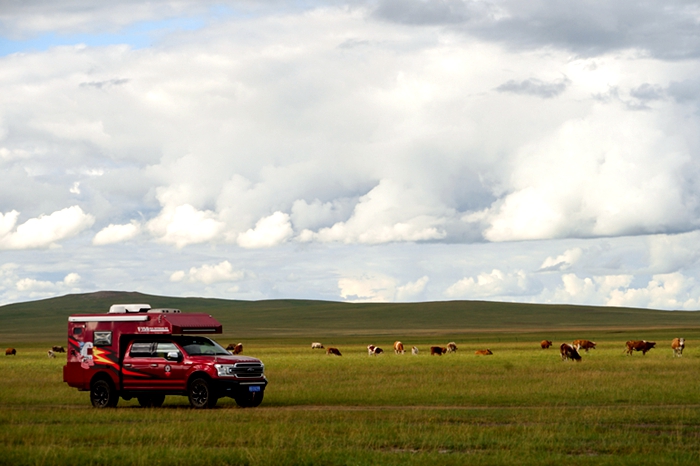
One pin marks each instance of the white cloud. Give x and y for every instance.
(563, 261)
(183, 225)
(44, 231)
(208, 274)
(367, 288)
(411, 291)
(117, 233)
(496, 283)
(37, 287)
(664, 291)
(268, 232)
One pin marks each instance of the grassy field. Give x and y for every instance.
(522, 405)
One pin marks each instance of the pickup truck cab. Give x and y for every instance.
(136, 351)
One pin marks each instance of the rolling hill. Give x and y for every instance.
(46, 319)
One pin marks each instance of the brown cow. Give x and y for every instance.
(334, 351)
(398, 347)
(10, 352)
(569, 352)
(235, 349)
(58, 349)
(439, 350)
(451, 347)
(678, 344)
(639, 345)
(583, 344)
(483, 352)
(546, 344)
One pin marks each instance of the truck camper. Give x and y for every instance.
(135, 351)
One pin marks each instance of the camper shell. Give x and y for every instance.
(136, 351)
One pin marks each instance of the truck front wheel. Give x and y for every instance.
(201, 395)
(103, 394)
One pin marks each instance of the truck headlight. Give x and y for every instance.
(224, 370)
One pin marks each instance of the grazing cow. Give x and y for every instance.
(583, 344)
(50, 354)
(398, 347)
(569, 352)
(639, 345)
(316, 345)
(451, 347)
(546, 344)
(10, 352)
(414, 350)
(58, 349)
(374, 350)
(333, 351)
(483, 352)
(439, 350)
(678, 344)
(235, 349)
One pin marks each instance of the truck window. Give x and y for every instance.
(163, 348)
(142, 350)
(197, 346)
(102, 338)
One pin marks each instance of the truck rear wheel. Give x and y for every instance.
(103, 394)
(249, 399)
(151, 401)
(200, 394)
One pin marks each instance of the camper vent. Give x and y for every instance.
(128, 308)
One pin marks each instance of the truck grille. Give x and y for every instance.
(246, 370)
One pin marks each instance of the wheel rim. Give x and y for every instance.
(199, 394)
(100, 395)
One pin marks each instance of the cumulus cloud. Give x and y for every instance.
(495, 283)
(116, 233)
(374, 287)
(664, 291)
(44, 231)
(268, 232)
(208, 274)
(563, 261)
(183, 225)
(411, 291)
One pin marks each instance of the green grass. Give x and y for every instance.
(523, 405)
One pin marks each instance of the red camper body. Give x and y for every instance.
(136, 351)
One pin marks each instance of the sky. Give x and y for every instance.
(360, 151)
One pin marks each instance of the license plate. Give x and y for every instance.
(254, 388)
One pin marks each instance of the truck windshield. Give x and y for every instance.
(197, 346)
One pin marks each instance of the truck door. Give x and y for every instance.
(146, 367)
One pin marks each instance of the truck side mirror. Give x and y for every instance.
(174, 356)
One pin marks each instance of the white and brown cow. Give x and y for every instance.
(414, 350)
(235, 349)
(398, 347)
(583, 344)
(451, 347)
(333, 351)
(316, 345)
(678, 344)
(439, 350)
(50, 354)
(544, 344)
(374, 350)
(639, 345)
(569, 352)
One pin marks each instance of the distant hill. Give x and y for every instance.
(47, 319)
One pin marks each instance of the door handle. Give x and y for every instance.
(154, 365)
(127, 365)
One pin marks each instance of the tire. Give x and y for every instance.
(103, 394)
(249, 399)
(151, 401)
(200, 394)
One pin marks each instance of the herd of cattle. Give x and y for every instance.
(567, 351)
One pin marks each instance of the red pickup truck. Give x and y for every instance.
(135, 351)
